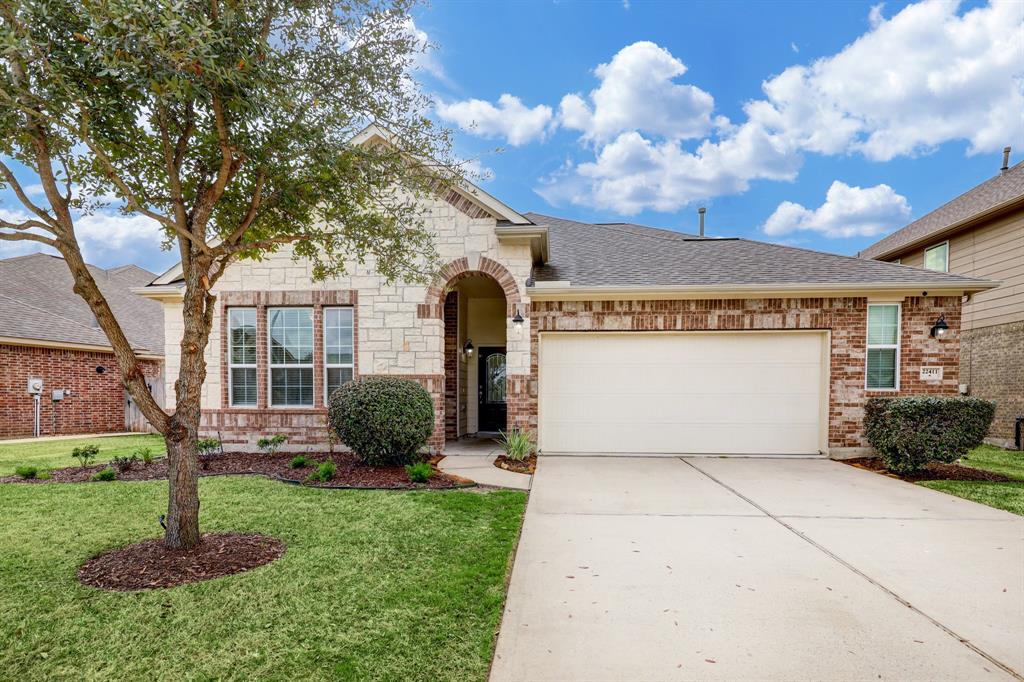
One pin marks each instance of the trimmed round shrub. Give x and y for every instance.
(384, 420)
(910, 432)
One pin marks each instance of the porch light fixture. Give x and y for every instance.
(517, 320)
(940, 329)
(468, 348)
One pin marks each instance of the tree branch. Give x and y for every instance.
(26, 236)
(250, 216)
(51, 225)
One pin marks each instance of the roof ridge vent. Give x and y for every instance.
(1006, 159)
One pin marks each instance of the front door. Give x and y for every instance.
(491, 382)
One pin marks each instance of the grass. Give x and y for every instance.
(56, 454)
(374, 585)
(1007, 496)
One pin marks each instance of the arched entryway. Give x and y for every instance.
(475, 356)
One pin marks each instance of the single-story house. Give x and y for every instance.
(57, 369)
(602, 338)
(980, 234)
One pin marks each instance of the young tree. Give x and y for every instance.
(229, 123)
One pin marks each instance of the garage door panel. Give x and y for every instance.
(732, 393)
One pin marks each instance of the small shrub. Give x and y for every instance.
(910, 432)
(85, 454)
(518, 444)
(124, 463)
(107, 474)
(420, 472)
(27, 471)
(299, 462)
(144, 454)
(385, 420)
(207, 446)
(43, 476)
(324, 472)
(270, 445)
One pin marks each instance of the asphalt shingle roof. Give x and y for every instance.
(590, 255)
(37, 302)
(1006, 186)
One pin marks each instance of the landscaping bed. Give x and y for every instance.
(526, 466)
(349, 473)
(933, 471)
(150, 564)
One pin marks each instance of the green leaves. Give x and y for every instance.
(231, 123)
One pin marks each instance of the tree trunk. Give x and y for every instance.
(183, 494)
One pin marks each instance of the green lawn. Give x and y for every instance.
(55, 454)
(1008, 496)
(374, 585)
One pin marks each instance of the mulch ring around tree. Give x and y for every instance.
(933, 471)
(151, 564)
(526, 466)
(350, 472)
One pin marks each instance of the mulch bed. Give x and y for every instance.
(527, 466)
(351, 473)
(150, 564)
(933, 471)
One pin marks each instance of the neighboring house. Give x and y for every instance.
(979, 234)
(48, 333)
(612, 338)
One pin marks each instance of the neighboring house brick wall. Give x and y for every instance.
(845, 317)
(992, 364)
(97, 401)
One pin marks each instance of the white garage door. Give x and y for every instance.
(693, 392)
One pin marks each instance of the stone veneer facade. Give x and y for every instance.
(400, 330)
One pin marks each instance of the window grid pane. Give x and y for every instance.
(338, 349)
(242, 355)
(883, 346)
(291, 356)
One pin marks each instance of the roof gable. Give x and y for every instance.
(1004, 191)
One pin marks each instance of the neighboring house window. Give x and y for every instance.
(937, 257)
(338, 355)
(883, 367)
(242, 356)
(291, 356)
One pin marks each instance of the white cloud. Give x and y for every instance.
(426, 58)
(847, 212)
(510, 119)
(793, 46)
(638, 91)
(632, 173)
(921, 78)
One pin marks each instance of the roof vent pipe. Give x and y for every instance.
(1006, 159)
(700, 212)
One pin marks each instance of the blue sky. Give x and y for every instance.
(823, 125)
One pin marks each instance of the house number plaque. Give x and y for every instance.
(931, 374)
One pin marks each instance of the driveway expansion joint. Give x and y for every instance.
(779, 519)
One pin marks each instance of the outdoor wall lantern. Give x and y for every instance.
(940, 329)
(468, 348)
(517, 320)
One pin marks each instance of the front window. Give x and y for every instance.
(883, 346)
(937, 257)
(291, 356)
(242, 356)
(338, 350)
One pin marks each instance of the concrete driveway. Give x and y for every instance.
(758, 569)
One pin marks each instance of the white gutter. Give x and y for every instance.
(555, 293)
(160, 292)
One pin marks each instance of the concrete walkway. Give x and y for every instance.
(757, 569)
(473, 458)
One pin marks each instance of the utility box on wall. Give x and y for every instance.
(35, 386)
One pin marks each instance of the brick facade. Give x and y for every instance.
(451, 366)
(992, 366)
(97, 401)
(845, 318)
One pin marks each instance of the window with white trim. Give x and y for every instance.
(883, 363)
(338, 349)
(290, 347)
(242, 356)
(937, 257)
